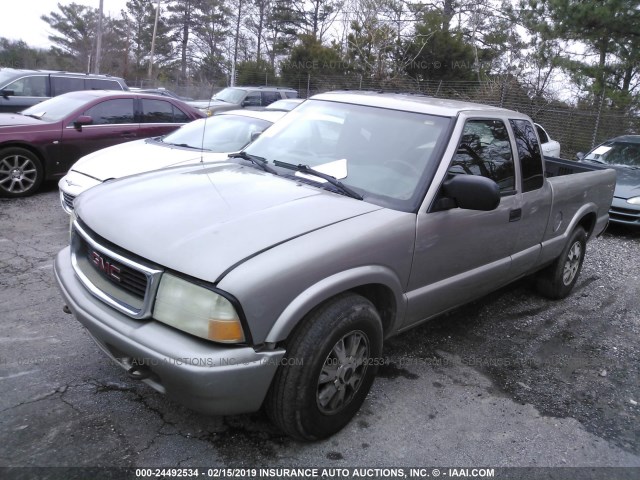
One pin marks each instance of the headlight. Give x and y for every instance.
(197, 310)
(634, 201)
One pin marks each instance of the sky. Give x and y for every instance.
(24, 23)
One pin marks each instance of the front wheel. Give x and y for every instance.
(330, 366)
(20, 172)
(557, 280)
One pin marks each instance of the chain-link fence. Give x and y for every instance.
(577, 129)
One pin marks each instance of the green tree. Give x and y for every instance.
(139, 18)
(609, 30)
(443, 54)
(17, 54)
(313, 65)
(75, 27)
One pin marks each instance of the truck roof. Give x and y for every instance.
(413, 103)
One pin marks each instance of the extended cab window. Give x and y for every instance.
(485, 149)
(112, 112)
(529, 153)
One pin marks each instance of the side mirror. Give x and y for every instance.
(82, 120)
(7, 93)
(580, 155)
(472, 192)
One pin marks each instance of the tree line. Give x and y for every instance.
(590, 48)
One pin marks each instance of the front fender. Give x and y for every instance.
(332, 286)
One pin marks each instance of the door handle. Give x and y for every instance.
(515, 214)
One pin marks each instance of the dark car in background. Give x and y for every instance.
(232, 98)
(622, 154)
(42, 142)
(20, 89)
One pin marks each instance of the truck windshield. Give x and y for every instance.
(386, 156)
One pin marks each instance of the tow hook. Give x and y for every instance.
(139, 372)
(66, 309)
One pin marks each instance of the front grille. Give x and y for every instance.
(115, 272)
(113, 275)
(68, 199)
(624, 214)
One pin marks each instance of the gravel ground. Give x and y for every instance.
(510, 380)
(577, 358)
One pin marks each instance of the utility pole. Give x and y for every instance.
(153, 39)
(96, 67)
(235, 47)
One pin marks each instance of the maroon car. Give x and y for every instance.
(43, 141)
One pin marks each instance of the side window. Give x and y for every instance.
(112, 112)
(156, 111)
(269, 97)
(485, 149)
(60, 85)
(179, 116)
(544, 138)
(529, 153)
(100, 84)
(29, 87)
(253, 99)
(291, 94)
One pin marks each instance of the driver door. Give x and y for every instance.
(463, 254)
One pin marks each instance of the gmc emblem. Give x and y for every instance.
(109, 269)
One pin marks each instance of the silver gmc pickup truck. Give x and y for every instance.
(273, 278)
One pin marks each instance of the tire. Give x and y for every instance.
(319, 390)
(21, 172)
(557, 280)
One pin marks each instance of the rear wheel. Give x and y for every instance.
(330, 366)
(557, 280)
(20, 172)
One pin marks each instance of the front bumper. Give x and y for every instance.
(624, 213)
(204, 376)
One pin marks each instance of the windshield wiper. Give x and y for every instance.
(310, 171)
(255, 159)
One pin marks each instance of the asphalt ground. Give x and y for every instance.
(512, 380)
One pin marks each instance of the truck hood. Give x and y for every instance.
(203, 220)
(137, 157)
